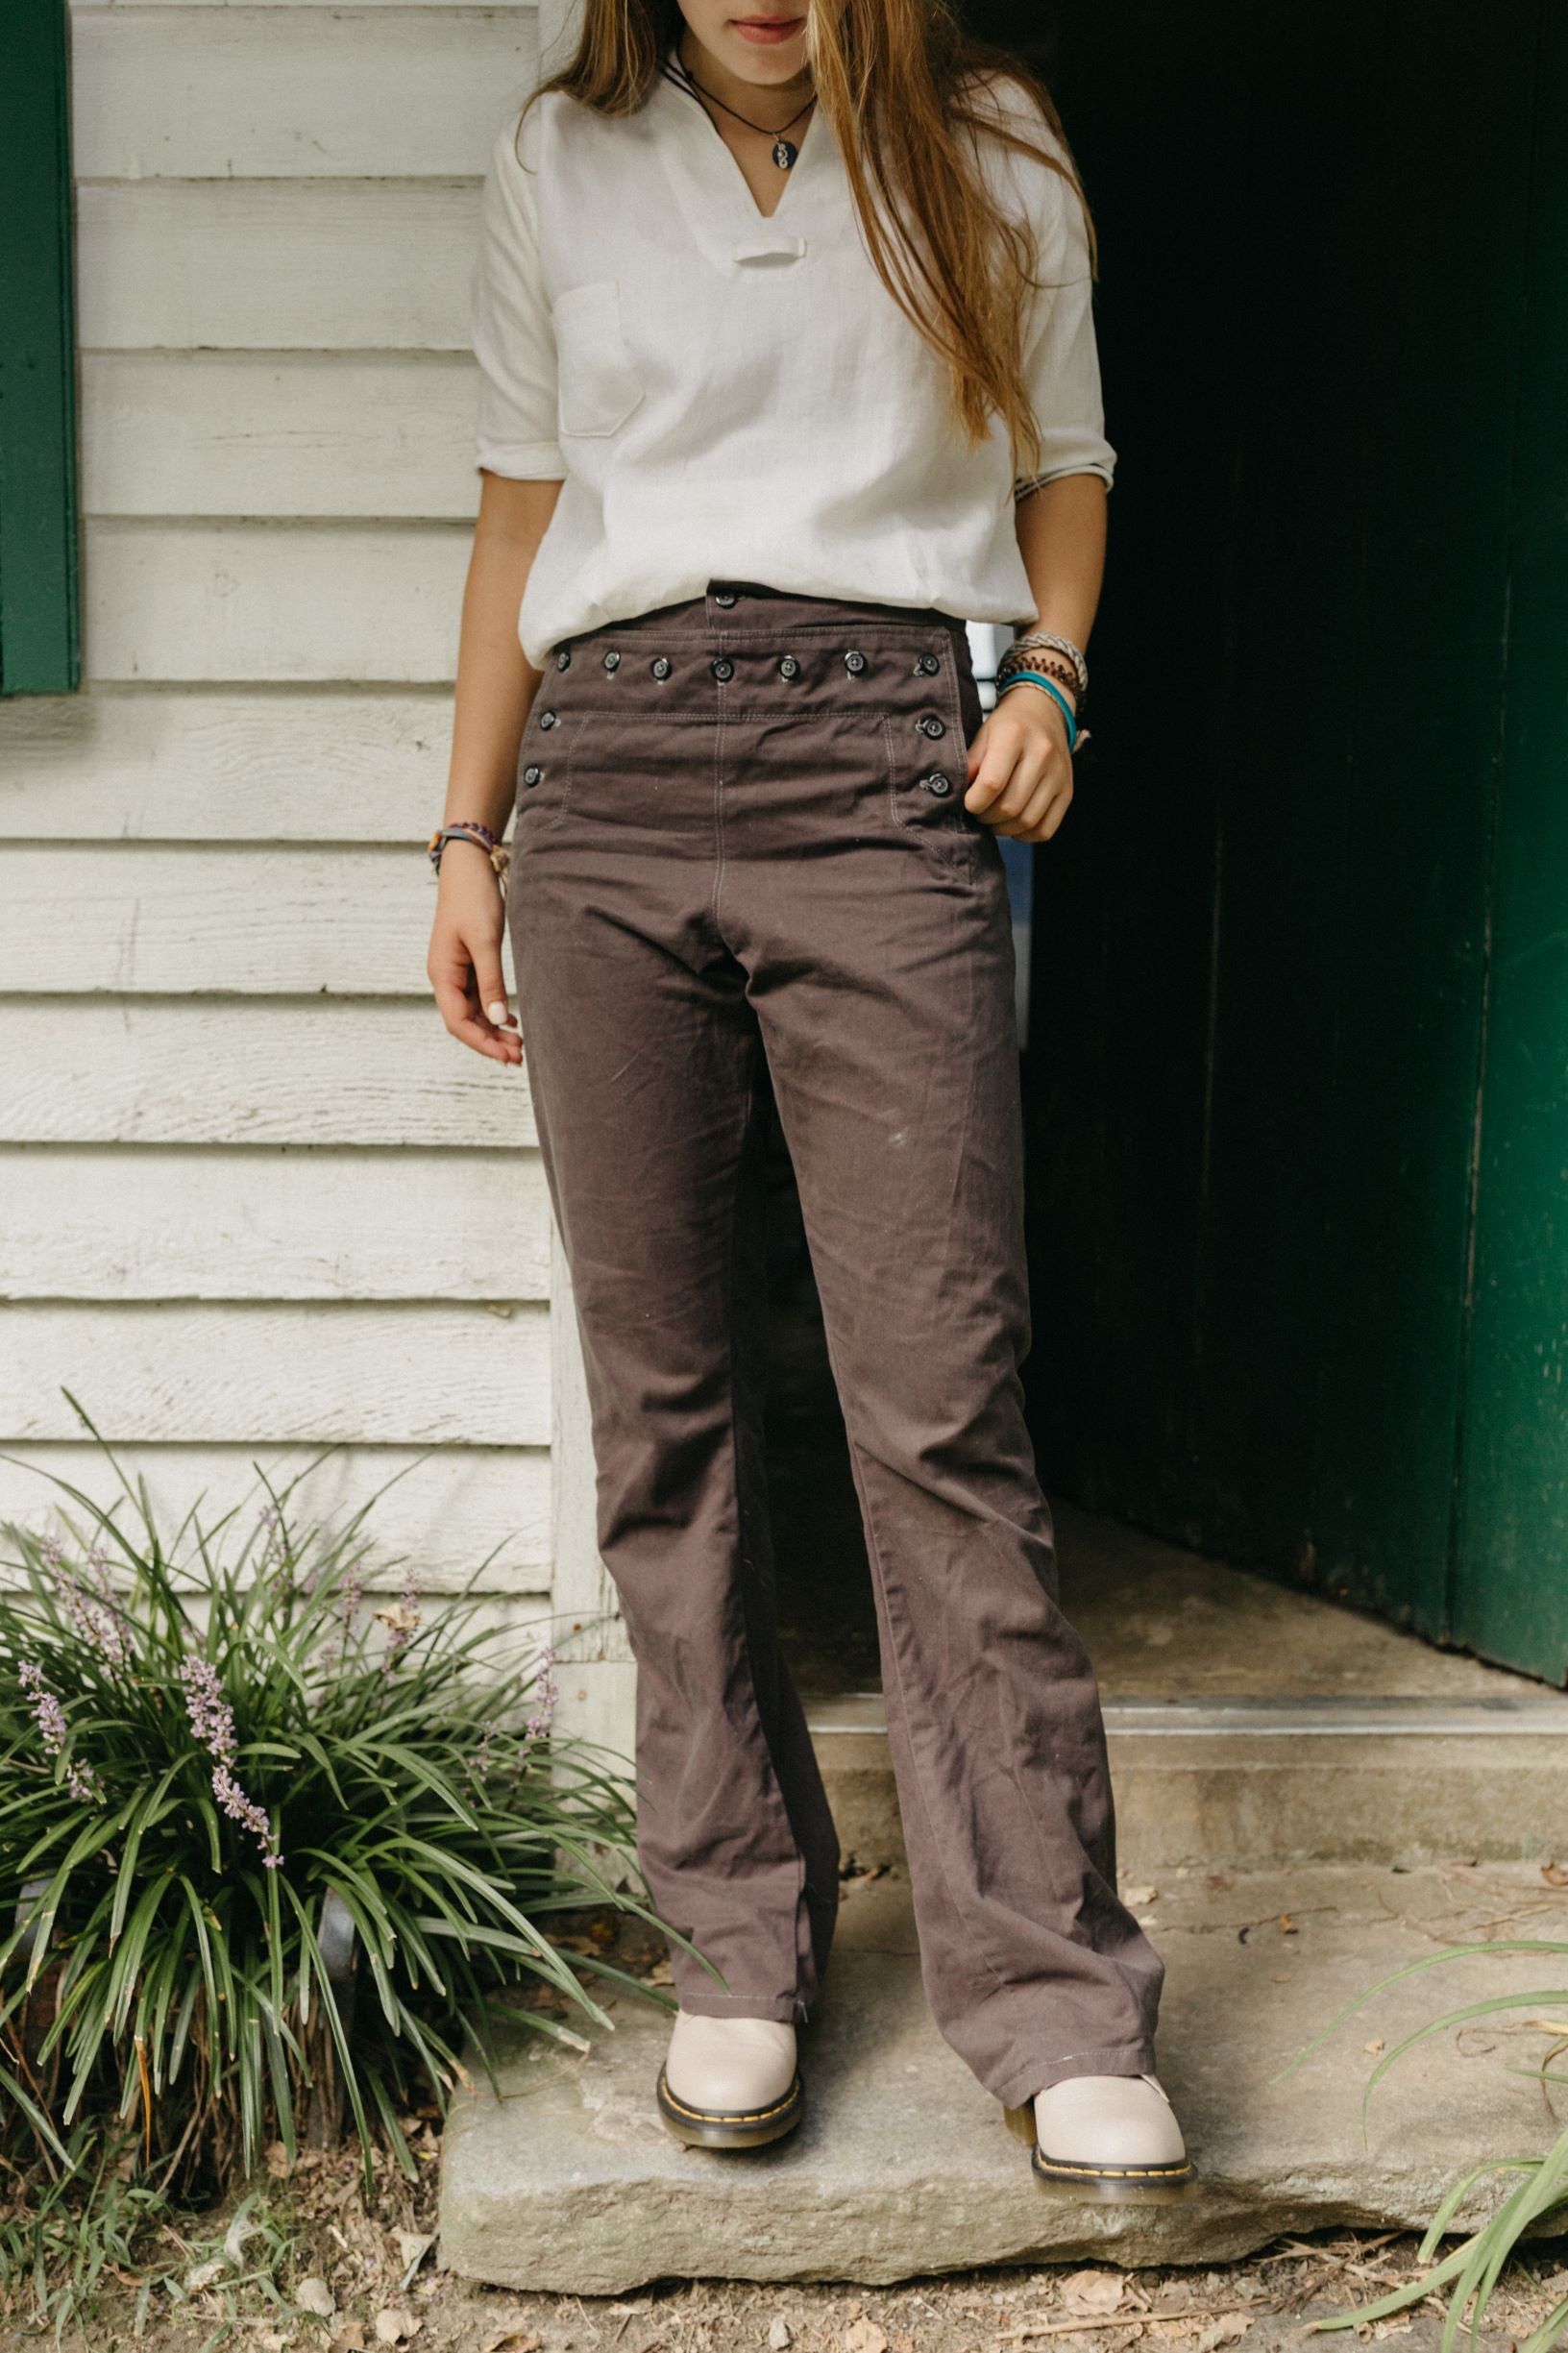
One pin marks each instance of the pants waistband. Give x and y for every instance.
(736, 604)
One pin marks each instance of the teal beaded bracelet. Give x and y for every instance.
(1034, 678)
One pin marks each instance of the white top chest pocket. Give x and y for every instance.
(597, 385)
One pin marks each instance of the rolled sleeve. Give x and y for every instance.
(1060, 357)
(509, 328)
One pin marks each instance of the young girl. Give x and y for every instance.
(788, 370)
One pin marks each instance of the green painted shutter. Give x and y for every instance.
(1511, 1593)
(39, 633)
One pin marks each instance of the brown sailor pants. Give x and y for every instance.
(741, 853)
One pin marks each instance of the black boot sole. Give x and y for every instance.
(731, 2127)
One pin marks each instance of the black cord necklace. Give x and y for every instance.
(785, 151)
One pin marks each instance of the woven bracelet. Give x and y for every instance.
(467, 830)
(1043, 638)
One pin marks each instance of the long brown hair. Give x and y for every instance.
(903, 86)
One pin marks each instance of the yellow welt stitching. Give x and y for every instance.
(729, 2116)
(1112, 2173)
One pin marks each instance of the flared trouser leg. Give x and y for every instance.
(645, 1074)
(702, 876)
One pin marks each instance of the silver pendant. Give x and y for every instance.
(785, 152)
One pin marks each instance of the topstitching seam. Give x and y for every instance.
(718, 820)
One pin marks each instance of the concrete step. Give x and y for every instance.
(565, 2180)
(1259, 1781)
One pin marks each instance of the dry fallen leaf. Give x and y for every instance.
(239, 2230)
(205, 2274)
(661, 1974)
(1225, 2330)
(778, 2333)
(394, 2326)
(864, 2336)
(1287, 1926)
(1093, 2290)
(1375, 2045)
(512, 2341)
(413, 2246)
(1133, 1896)
(276, 2158)
(313, 2295)
(1554, 1875)
(350, 2338)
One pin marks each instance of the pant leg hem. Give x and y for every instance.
(785, 2009)
(1018, 2088)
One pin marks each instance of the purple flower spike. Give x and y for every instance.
(97, 1622)
(47, 1711)
(82, 1780)
(544, 1711)
(244, 1810)
(211, 1718)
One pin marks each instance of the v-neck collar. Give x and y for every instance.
(708, 138)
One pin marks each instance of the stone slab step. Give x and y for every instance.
(566, 2181)
(1259, 1781)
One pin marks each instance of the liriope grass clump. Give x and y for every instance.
(270, 1852)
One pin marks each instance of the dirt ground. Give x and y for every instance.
(337, 2276)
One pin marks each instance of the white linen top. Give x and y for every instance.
(728, 395)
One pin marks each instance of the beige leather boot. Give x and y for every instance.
(730, 2082)
(1108, 2137)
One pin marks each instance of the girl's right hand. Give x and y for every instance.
(464, 961)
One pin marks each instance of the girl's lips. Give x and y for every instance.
(768, 30)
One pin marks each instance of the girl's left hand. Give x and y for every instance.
(1021, 769)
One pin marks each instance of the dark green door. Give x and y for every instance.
(1298, 1081)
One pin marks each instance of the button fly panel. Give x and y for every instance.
(686, 676)
(747, 740)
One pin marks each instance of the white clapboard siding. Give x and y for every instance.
(233, 93)
(171, 923)
(380, 433)
(449, 1513)
(161, 1223)
(253, 1202)
(200, 600)
(248, 764)
(373, 1374)
(327, 1071)
(277, 265)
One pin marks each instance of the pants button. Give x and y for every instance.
(660, 665)
(854, 664)
(930, 726)
(723, 668)
(563, 660)
(926, 666)
(789, 667)
(547, 718)
(726, 597)
(531, 775)
(612, 660)
(937, 783)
